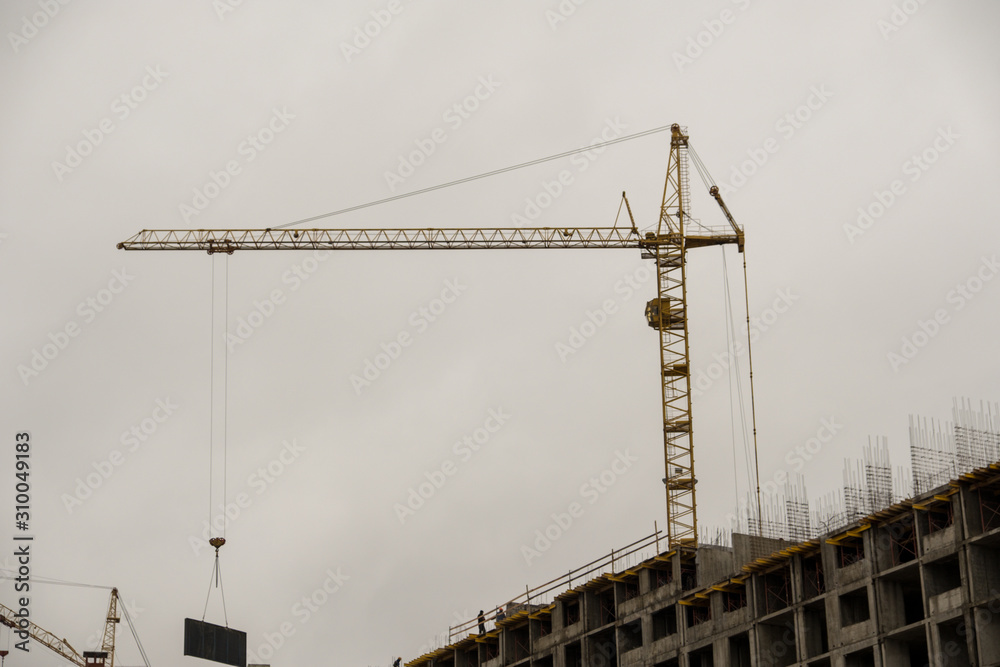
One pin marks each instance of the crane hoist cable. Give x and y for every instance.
(218, 541)
(214, 343)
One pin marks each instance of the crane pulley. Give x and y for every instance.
(675, 234)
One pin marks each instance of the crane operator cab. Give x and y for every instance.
(672, 317)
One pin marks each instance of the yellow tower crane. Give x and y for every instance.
(103, 658)
(667, 313)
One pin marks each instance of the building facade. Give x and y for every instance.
(916, 583)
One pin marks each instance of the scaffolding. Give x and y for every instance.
(777, 590)
(734, 598)
(939, 516)
(902, 540)
(989, 508)
(813, 582)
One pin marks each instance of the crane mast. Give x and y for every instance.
(667, 313)
(103, 658)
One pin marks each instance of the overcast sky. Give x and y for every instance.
(856, 142)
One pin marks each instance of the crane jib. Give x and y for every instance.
(229, 240)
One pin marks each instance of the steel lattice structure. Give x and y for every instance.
(103, 658)
(667, 313)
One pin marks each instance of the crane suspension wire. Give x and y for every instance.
(135, 635)
(700, 167)
(36, 579)
(753, 410)
(728, 307)
(736, 377)
(217, 579)
(731, 349)
(477, 177)
(709, 182)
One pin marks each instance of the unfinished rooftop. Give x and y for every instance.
(913, 582)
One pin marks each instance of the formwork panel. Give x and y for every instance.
(214, 642)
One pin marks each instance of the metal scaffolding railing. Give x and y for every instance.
(541, 596)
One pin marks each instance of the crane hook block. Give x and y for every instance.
(217, 542)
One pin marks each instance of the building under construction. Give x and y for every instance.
(916, 582)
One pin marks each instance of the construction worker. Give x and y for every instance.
(482, 623)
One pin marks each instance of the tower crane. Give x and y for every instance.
(675, 233)
(103, 658)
